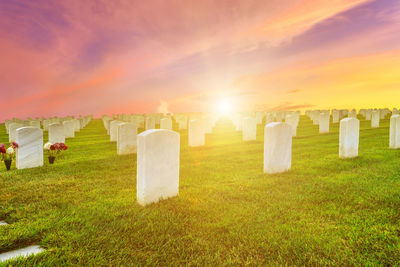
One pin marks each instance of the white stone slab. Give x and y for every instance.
(324, 123)
(114, 130)
(196, 133)
(368, 114)
(277, 147)
(30, 151)
(23, 252)
(249, 129)
(150, 123)
(375, 118)
(166, 124)
(293, 121)
(69, 129)
(349, 138)
(78, 126)
(183, 122)
(157, 165)
(335, 116)
(46, 124)
(56, 133)
(127, 138)
(394, 136)
(12, 128)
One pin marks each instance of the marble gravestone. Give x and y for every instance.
(157, 165)
(166, 123)
(249, 129)
(77, 125)
(196, 133)
(375, 117)
(349, 138)
(150, 123)
(368, 114)
(30, 151)
(394, 136)
(277, 147)
(127, 140)
(69, 129)
(56, 133)
(324, 123)
(292, 120)
(182, 121)
(114, 130)
(335, 116)
(13, 131)
(46, 124)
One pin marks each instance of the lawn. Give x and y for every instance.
(325, 211)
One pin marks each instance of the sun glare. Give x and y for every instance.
(224, 106)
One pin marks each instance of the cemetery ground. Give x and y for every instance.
(324, 211)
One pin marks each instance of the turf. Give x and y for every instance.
(325, 211)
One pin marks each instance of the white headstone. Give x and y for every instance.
(166, 123)
(349, 138)
(150, 123)
(46, 124)
(114, 130)
(127, 140)
(183, 122)
(277, 147)
(335, 116)
(368, 114)
(324, 122)
(196, 133)
(157, 165)
(30, 147)
(69, 129)
(249, 129)
(56, 133)
(77, 125)
(394, 138)
(375, 117)
(13, 131)
(293, 121)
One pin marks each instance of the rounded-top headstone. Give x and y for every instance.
(277, 147)
(30, 147)
(157, 165)
(56, 133)
(349, 137)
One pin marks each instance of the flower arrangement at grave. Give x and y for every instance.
(54, 150)
(8, 154)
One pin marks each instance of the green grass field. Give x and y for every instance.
(325, 211)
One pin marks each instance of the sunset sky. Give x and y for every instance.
(104, 57)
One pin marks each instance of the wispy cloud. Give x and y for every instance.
(120, 54)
